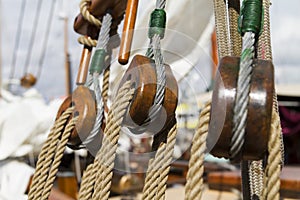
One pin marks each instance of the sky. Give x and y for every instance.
(285, 17)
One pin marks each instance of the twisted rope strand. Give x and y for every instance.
(85, 191)
(256, 178)
(154, 165)
(57, 159)
(194, 185)
(221, 22)
(105, 86)
(162, 181)
(273, 169)
(242, 95)
(84, 5)
(44, 160)
(106, 154)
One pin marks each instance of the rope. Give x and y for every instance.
(256, 178)
(194, 185)
(107, 153)
(242, 95)
(32, 37)
(17, 40)
(159, 167)
(235, 37)
(156, 33)
(100, 171)
(273, 168)
(57, 160)
(93, 80)
(105, 86)
(96, 67)
(45, 43)
(153, 173)
(84, 5)
(168, 155)
(84, 40)
(47, 153)
(221, 22)
(275, 160)
(87, 184)
(264, 41)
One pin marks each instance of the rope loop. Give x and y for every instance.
(251, 17)
(87, 41)
(84, 5)
(157, 23)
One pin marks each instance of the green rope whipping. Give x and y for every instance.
(98, 61)
(157, 24)
(251, 17)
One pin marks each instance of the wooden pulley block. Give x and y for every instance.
(259, 109)
(99, 8)
(84, 102)
(28, 80)
(142, 75)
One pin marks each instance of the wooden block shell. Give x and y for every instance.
(259, 108)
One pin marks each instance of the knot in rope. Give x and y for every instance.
(157, 23)
(251, 17)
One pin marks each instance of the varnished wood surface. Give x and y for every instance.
(84, 65)
(28, 80)
(259, 108)
(128, 29)
(98, 8)
(290, 181)
(142, 74)
(85, 108)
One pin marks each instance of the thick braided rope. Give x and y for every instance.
(86, 186)
(256, 177)
(47, 152)
(194, 185)
(57, 160)
(235, 37)
(221, 22)
(105, 85)
(264, 41)
(273, 168)
(89, 178)
(87, 41)
(84, 5)
(155, 163)
(272, 172)
(242, 95)
(158, 168)
(107, 153)
(168, 155)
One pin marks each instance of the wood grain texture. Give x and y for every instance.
(143, 76)
(99, 8)
(259, 108)
(128, 30)
(84, 65)
(85, 108)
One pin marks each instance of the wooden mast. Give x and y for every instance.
(67, 58)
